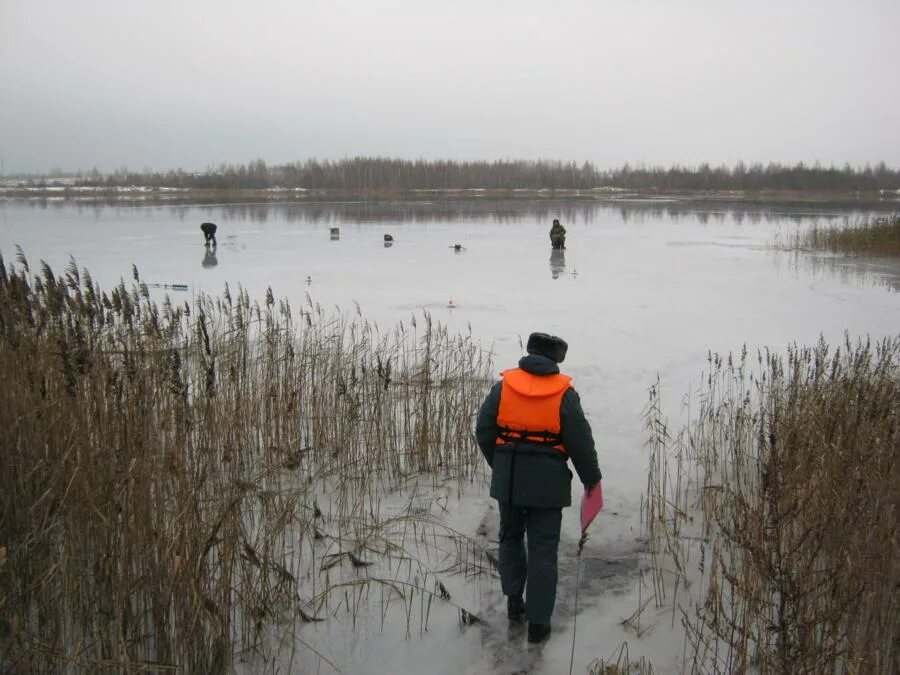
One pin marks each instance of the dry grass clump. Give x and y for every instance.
(776, 513)
(880, 237)
(620, 663)
(177, 476)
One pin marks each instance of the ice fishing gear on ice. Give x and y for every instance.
(174, 287)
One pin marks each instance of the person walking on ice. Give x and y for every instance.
(530, 425)
(557, 235)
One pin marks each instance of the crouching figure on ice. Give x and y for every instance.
(209, 234)
(529, 426)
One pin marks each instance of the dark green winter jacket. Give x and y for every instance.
(528, 474)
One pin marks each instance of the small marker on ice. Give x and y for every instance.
(450, 304)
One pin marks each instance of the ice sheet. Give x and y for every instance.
(641, 292)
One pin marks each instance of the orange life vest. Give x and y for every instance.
(529, 408)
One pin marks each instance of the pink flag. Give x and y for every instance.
(591, 503)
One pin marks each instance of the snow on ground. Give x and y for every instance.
(641, 293)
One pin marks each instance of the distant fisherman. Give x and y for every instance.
(557, 235)
(209, 233)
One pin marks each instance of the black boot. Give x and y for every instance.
(538, 632)
(515, 608)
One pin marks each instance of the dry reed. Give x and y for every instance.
(879, 237)
(178, 478)
(620, 663)
(773, 516)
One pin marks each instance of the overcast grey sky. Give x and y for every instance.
(192, 83)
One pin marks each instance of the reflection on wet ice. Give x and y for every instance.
(209, 258)
(557, 262)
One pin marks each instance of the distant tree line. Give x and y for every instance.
(370, 173)
(756, 177)
(377, 173)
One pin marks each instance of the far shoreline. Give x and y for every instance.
(880, 199)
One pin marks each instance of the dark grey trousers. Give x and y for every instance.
(533, 572)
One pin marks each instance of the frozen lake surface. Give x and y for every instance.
(644, 290)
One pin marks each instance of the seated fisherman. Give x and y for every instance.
(557, 235)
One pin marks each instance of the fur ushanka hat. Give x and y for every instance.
(552, 347)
